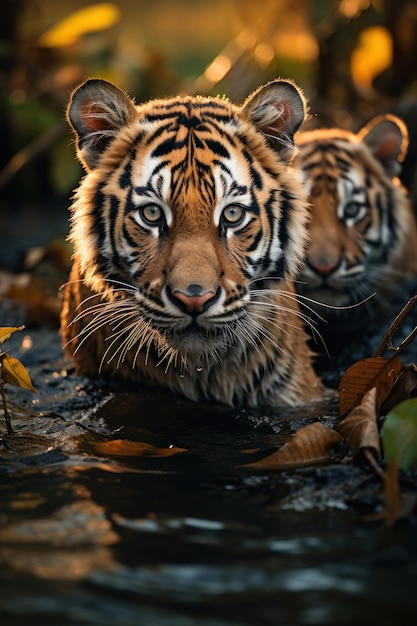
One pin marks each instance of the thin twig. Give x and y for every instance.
(31, 152)
(386, 342)
(5, 409)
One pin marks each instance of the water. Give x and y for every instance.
(137, 508)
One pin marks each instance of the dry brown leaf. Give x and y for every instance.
(309, 446)
(39, 302)
(404, 388)
(359, 427)
(379, 372)
(125, 447)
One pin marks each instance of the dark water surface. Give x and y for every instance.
(130, 508)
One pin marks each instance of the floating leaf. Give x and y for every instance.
(377, 371)
(125, 447)
(15, 373)
(6, 331)
(359, 427)
(309, 446)
(399, 435)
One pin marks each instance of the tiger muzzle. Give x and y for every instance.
(194, 300)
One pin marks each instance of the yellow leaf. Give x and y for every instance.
(87, 20)
(6, 331)
(15, 373)
(372, 56)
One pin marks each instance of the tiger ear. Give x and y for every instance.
(96, 111)
(387, 138)
(277, 109)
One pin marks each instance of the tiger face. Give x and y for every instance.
(363, 237)
(187, 230)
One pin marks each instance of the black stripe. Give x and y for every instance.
(283, 232)
(126, 175)
(256, 241)
(169, 145)
(114, 210)
(98, 226)
(211, 107)
(218, 148)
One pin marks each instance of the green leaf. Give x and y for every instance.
(399, 434)
(15, 373)
(6, 331)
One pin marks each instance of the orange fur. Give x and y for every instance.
(188, 229)
(363, 235)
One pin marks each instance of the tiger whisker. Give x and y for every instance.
(277, 307)
(268, 294)
(114, 339)
(117, 304)
(305, 319)
(266, 333)
(296, 297)
(249, 331)
(360, 300)
(145, 340)
(103, 317)
(92, 327)
(127, 286)
(244, 333)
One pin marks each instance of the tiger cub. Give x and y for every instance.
(187, 230)
(363, 236)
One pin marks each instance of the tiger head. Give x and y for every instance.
(187, 209)
(362, 232)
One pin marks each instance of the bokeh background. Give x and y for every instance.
(353, 58)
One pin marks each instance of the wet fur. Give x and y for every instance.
(124, 313)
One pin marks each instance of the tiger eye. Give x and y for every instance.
(233, 213)
(352, 210)
(151, 212)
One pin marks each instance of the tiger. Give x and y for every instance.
(187, 229)
(363, 234)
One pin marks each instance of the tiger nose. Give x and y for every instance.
(194, 299)
(323, 268)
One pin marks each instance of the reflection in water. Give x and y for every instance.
(141, 512)
(69, 544)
